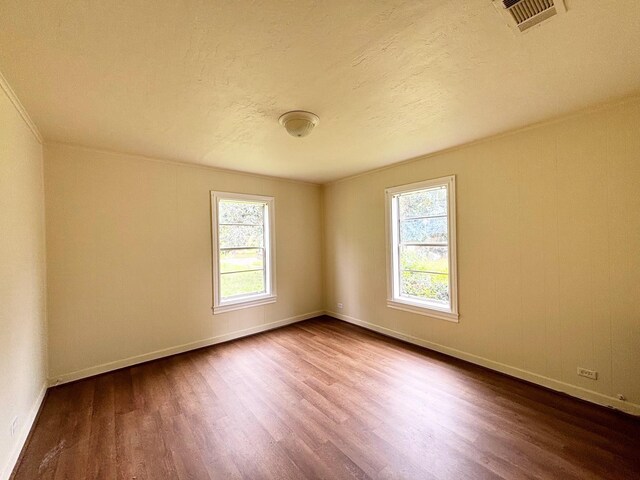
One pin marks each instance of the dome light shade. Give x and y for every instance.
(299, 123)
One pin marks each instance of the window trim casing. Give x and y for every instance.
(419, 307)
(246, 301)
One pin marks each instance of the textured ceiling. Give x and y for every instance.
(205, 81)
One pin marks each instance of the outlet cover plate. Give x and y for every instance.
(584, 372)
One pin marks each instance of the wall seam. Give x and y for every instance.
(13, 98)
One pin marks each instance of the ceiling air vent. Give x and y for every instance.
(527, 13)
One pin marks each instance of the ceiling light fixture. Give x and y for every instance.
(299, 123)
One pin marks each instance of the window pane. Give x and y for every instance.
(243, 283)
(240, 260)
(241, 236)
(424, 230)
(423, 203)
(424, 259)
(240, 212)
(426, 286)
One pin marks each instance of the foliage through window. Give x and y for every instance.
(421, 221)
(243, 250)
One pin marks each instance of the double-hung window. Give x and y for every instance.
(243, 251)
(422, 248)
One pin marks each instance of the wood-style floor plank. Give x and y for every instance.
(322, 399)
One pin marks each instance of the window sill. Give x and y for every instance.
(239, 305)
(421, 310)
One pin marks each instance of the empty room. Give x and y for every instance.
(300, 239)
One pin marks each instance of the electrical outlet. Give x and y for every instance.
(14, 426)
(340, 306)
(592, 374)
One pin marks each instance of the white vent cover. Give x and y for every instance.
(524, 14)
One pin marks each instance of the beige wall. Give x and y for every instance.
(548, 242)
(129, 258)
(22, 277)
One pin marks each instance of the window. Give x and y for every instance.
(422, 248)
(243, 251)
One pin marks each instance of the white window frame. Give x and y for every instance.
(245, 301)
(394, 300)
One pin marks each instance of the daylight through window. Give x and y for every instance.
(422, 266)
(243, 250)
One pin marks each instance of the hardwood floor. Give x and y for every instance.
(322, 399)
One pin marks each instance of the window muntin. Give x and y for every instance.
(243, 250)
(421, 224)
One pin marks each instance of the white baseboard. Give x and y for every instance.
(128, 362)
(574, 391)
(23, 434)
